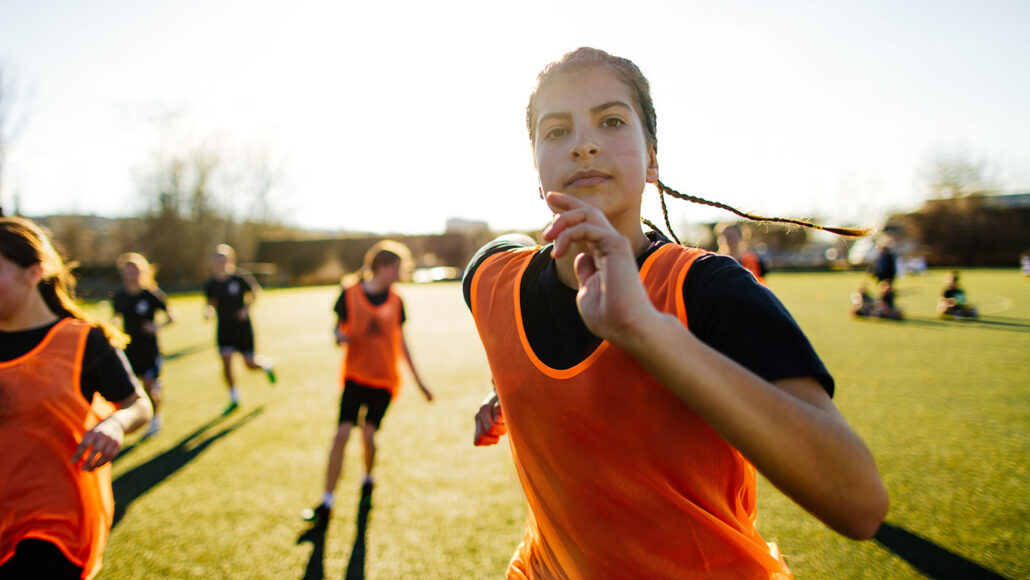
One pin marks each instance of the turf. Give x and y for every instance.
(944, 405)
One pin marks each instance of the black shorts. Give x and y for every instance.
(236, 335)
(39, 559)
(355, 396)
(144, 358)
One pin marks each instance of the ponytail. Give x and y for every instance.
(664, 189)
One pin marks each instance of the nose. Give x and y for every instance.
(584, 146)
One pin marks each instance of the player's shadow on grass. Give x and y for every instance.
(990, 323)
(316, 536)
(356, 565)
(130, 485)
(929, 558)
(187, 351)
(315, 569)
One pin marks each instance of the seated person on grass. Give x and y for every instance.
(953, 300)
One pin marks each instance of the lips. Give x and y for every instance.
(587, 178)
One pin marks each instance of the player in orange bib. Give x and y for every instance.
(369, 319)
(731, 243)
(640, 382)
(58, 430)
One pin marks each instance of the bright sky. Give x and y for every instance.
(394, 116)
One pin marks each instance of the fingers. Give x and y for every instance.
(94, 452)
(585, 267)
(99, 445)
(578, 222)
(489, 425)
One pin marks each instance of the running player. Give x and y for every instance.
(230, 294)
(641, 382)
(59, 377)
(369, 319)
(137, 304)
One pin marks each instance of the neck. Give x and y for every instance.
(566, 264)
(374, 285)
(133, 287)
(32, 313)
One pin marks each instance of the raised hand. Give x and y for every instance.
(611, 298)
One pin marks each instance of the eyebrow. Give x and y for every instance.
(593, 110)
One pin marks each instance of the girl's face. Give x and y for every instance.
(130, 273)
(16, 285)
(220, 263)
(591, 143)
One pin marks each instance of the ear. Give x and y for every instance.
(35, 274)
(652, 166)
(540, 190)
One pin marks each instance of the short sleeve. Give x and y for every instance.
(500, 244)
(731, 312)
(341, 307)
(105, 370)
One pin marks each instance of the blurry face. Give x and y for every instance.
(220, 262)
(389, 273)
(16, 285)
(130, 273)
(591, 143)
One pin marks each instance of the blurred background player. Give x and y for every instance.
(230, 294)
(60, 374)
(953, 301)
(137, 303)
(369, 320)
(732, 242)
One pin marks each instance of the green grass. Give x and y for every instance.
(943, 405)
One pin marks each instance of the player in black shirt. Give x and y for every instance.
(137, 304)
(230, 294)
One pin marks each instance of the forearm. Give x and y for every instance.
(133, 415)
(790, 431)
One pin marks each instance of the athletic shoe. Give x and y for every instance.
(233, 405)
(155, 427)
(270, 371)
(318, 515)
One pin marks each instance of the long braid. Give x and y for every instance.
(849, 232)
(665, 214)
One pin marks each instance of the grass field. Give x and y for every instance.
(944, 406)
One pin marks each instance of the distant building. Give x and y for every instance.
(464, 226)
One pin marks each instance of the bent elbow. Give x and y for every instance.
(865, 518)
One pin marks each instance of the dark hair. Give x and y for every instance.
(630, 74)
(26, 244)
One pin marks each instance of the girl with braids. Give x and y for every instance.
(640, 382)
(137, 304)
(59, 375)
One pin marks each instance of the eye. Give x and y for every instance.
(555, 133)
(612, 122)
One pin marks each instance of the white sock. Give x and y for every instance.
(234, 394)
(368, 479)
(327, 499)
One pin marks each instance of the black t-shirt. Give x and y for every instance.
(727, 309)
(104, 368)
(227, 296)
(377, 299)
(135, 309)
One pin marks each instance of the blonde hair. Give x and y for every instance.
(146, 269)
(382, 253)
(27, 244)
(230, 256)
